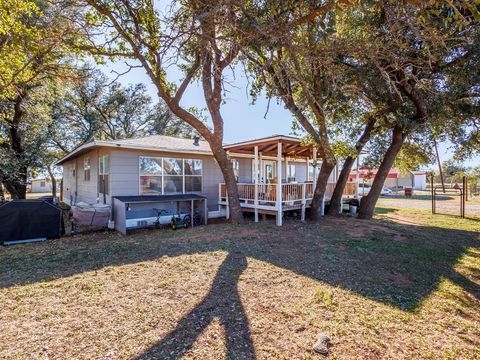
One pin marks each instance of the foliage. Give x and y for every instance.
(414, 156)
(24, 137)
(95, 108)
(17, 43)
(35, 38)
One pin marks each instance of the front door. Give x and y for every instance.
(268, 171)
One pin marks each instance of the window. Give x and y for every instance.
(169, 175)
(269, 172)
(86, 169)
(150, 175)
(236, 169)
(193, 175)
(42, 184)
(291, 172)
(103, 174)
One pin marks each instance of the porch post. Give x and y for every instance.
(226, 193)
(279, 185)
(255, 171)
(227, 207)
(286, 168)
(306, 171)
(314, 168)
(260, 165)
(304, 200)
(357, 177)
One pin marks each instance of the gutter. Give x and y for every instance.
(127, 146)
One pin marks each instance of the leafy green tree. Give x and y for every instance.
(18, 50)
(410, 47)
(95, 108)
(34, 55)
(24, 138)
(194, 36)
(299, 67)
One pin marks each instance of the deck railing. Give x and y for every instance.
(291, 192)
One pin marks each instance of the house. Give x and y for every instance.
(42, 185)
(135, 174)
(416, 180)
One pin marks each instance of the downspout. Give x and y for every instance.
(76, 180)
(98, 175)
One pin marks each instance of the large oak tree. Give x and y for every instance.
(189, 36)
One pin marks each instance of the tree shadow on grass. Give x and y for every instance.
(222, 302)
(392, 263)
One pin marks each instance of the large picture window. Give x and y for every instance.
(169, 175)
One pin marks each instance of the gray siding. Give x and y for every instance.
(75, 187)
(245, 169)
(246, 165)
(124, 174)
(125, 177)
(88, 190)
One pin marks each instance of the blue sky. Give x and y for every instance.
(243, 120)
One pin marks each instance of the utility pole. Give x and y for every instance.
(439, 165)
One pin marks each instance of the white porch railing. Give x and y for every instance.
(291, 192)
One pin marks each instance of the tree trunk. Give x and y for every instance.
(54, 181)
(336, 200)
(17, 185)
(2, 195)
(367, 205)
(226, 167)
(320, 189)
(18, 188)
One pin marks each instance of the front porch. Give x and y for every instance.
(274, 188)
(295, 196)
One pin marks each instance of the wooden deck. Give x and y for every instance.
(262, 198)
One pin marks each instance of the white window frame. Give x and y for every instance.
(162, 175)
(87, 165)
(289, 174)
(236, 168)
(101, 170)
(102, 160)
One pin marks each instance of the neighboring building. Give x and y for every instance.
(43, 185)
(158, 165)
(416, 180)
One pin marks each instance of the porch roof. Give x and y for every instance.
(291, 146)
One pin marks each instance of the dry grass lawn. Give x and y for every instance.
(403, 286)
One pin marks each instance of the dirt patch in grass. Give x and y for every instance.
(380, 289)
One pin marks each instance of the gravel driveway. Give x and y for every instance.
(449, 206)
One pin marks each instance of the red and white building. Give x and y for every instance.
(416, 180)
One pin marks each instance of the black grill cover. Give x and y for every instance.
(29, 219)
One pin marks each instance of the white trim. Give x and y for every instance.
(256, 182)
(234, 155)
(118, 145)
(279, 185)
(262, 140)
(162, 175)
(109, 144)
